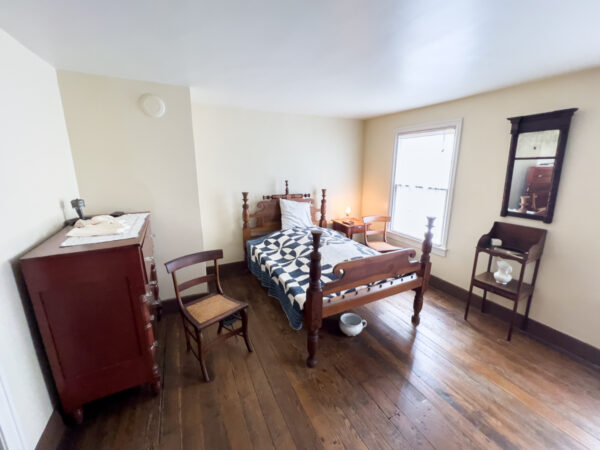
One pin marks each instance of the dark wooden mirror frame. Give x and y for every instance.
(555, 120)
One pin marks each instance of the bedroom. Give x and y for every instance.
(242, 115)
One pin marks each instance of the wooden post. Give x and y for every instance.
(245, 213)
(323, 219)
(287, 190)
(246, 220)
(313, 307)
(425, 270)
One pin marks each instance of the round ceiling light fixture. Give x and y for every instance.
(152, 105)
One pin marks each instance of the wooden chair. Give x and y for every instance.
(381, 246)
(207, 310)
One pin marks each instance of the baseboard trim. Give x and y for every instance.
(233, 268)
(53, 433)
(543, 333)
(225, 270)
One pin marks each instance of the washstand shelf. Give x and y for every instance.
(519, 243)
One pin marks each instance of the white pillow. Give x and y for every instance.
(295, 214)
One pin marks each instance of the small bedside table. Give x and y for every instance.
(357, 227)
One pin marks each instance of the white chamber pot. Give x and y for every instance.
(352, 324)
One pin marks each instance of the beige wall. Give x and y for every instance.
(128, 161)
(37, 180)
(241, 150)
(566, 295)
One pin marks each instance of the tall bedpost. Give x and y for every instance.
(323, 219)
(313, 307)
(424, 272)
(246, 221)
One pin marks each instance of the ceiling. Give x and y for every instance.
(346, 58)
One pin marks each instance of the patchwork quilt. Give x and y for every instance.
(281, 261)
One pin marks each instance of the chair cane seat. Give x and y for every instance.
(382, 246)
(212, 307)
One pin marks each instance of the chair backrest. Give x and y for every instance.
(189, 260)
(369, 220)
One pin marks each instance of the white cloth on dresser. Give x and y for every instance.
(132, 224)
(97, 226)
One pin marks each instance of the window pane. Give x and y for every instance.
(425, 160)
(413, 206)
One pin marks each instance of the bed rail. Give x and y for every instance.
(358, 273)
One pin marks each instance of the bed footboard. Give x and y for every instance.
(358, 273)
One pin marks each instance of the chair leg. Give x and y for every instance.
(188, 347)
(469, 301)
(201, 357)
(526, 319)
(483, 298)
(221, 325)
(512, 319)
(244, 314)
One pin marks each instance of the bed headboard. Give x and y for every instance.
(267, 217)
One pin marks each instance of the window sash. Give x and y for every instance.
(409, 226)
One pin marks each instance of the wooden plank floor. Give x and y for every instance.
(447, 384)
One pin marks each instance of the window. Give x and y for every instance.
(423, 179)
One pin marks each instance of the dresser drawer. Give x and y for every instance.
(540, 176)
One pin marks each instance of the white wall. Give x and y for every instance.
(37, 180)
(242, 150)
(566, 296)
(128, 161)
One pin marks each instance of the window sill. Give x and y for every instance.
(407, 241)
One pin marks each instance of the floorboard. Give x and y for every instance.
(445, 384)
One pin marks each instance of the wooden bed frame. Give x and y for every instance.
(354, 273)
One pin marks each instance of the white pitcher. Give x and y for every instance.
(503, 274)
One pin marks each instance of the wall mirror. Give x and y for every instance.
(537, 149)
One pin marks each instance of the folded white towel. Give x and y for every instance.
(97, 226)
(96, 220)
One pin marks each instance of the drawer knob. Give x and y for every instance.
(148, 325)
(149, 258)
(153, 283)
(154, 345)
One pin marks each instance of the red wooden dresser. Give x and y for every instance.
(91, 303)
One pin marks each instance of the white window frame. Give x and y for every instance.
(445, 221)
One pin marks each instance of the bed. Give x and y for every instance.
(316, 272)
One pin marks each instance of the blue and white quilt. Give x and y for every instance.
(281, 261)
